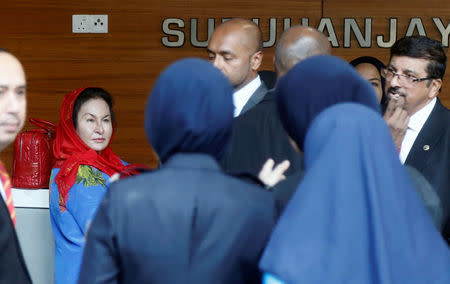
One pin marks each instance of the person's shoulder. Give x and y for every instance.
(267, 102)
(127, 193)
(443, 116)
(447, 111)
(168, 178)
(232, 194)
(439, 119)
(442, 110)
(253, 199)
(268, 78)
(246, 189)
(136, 182)
(266, 109)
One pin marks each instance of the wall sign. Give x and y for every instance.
(177, 33)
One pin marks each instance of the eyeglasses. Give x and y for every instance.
(389, 74)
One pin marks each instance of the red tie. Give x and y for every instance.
(6, 181)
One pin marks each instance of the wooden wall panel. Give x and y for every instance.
(128, 59)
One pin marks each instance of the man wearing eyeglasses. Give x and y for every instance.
(413, 81)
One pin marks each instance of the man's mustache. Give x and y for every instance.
(395, 90)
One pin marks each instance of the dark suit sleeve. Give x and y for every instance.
(428, 196)
(100, 256)
(12, 264)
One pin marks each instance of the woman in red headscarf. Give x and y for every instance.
(84, 163)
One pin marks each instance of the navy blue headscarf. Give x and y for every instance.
(190, 110)
(355, 217)
(315, 84)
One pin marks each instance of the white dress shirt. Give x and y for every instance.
(2, 191)
(241, 96)
(415, 124)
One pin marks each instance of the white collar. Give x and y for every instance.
(2, 191)
(241, 96)
(418, 119)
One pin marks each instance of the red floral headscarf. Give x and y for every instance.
(71, 152)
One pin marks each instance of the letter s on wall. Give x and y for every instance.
(171, 32)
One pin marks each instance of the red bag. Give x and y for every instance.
(33, 156)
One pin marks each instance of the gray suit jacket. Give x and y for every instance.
(257, 96)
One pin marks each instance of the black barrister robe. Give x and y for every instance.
(257, 136)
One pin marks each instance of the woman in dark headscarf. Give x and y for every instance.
(371, 69)
(187, 222)
(315, 84)
(307, 89)
(355, 217)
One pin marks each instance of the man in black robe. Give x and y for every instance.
(258, 134)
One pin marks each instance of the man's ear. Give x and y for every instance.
(256, 60)
(435, 88)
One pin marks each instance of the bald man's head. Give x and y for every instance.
(235, 48)
(250, 32)
(12, 98)
(296, 44)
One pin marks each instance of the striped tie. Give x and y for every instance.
(6, 181)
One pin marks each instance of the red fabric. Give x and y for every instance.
(71, 152)
(6, 182)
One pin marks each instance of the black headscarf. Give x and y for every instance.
(315, 84)
(190, 110)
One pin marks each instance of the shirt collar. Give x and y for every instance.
(417, 120)
(2, 191)
(241, 96)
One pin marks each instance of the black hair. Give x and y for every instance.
(380, 66)
(425, 48)
(92, 93)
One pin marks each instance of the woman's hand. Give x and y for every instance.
(270, 176)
